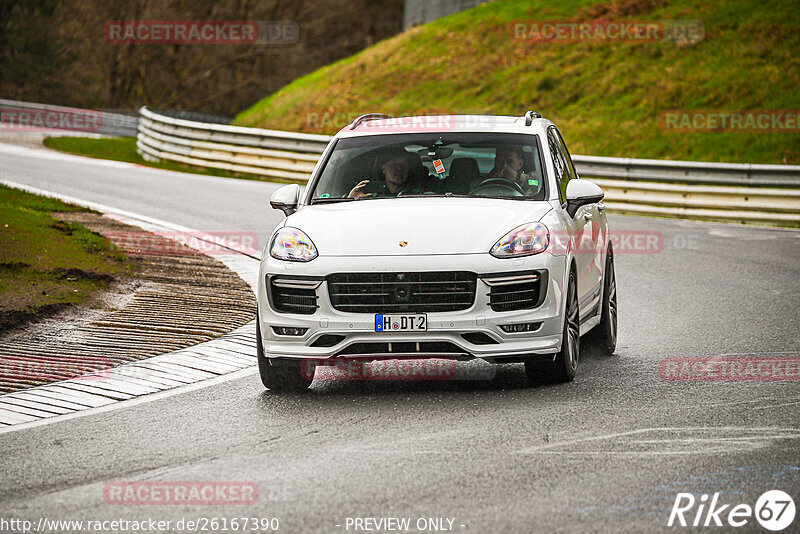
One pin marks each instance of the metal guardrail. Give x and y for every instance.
(108, 123)
(733, 192)
(689, 171)
(267, 153)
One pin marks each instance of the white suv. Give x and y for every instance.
(450, 237)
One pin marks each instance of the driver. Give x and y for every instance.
(395, 171)
(508, 164)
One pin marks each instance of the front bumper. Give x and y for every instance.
(447, 327)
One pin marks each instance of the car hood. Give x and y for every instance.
(379, 227)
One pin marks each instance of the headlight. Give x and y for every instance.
(291, 244)
(524, 240)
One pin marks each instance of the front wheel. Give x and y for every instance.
(281, 375)
(565, 364)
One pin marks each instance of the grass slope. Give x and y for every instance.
(607, 97)
(46, 263)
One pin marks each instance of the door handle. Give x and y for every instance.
(587, 216)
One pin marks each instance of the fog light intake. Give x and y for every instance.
(520, 327)
(289, 330)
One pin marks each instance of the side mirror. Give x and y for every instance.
(286, 198)
(580, 193)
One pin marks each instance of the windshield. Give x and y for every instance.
(433, 164)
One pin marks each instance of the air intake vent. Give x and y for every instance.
(479, 338)
(327, 340)
(293, 295)
(402, 292)
(404, 348)
(516, 291)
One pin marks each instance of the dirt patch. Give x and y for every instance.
(10, 319)
(177, 299)
(74, 274)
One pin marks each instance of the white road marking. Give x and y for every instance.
(770, 406)
(750, 436)
(135, 401)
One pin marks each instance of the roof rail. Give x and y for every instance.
(366, 116)
(530, 115)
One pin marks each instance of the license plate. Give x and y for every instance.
(415, 322)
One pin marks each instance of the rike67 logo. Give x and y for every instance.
(774, 511)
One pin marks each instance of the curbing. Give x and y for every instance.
(225, 358)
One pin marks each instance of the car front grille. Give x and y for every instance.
(402, 292)
(515, 291)
(290, 295)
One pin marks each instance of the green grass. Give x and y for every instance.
(46, 263)
(607, 97)
(124, 149)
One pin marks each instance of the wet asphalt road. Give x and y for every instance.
(608, 452)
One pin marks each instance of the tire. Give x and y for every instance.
(280, 375)
(603, 337)
(564, 366)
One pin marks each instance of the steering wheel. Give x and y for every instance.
(502, 183)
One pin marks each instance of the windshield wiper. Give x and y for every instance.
(330, 200)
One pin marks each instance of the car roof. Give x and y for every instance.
(442, 124)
